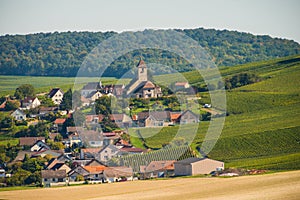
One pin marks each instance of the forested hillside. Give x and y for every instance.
(61, 54)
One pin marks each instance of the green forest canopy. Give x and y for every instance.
(61, 54)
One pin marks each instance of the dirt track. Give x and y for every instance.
(285, 185)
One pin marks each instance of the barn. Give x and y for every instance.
(194, 166)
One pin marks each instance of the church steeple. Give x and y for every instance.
(141, 62)
(142, 70)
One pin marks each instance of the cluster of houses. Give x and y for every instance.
(92, 164)
(97, 149)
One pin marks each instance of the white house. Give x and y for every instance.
(56, 95)
(108, 152)
(93, 96)
(19, 115)
(181, 85)
(30, 102)
(39, 145)
(53, 178)
(114, 174)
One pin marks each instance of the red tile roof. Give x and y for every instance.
(175, 116)
(133, 149)
(95, 169)
(59, 121)
(149, 85)
(181, 83)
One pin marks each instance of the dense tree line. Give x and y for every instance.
(241, 79)
(61, 54)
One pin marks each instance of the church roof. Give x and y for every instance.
(141, 63)
(149, 85)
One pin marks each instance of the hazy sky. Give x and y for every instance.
(278, 18)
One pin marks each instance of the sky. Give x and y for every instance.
(277, 18)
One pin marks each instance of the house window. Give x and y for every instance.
(60, 180)
(45, 179)
(53, 179)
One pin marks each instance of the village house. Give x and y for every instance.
(130, 150)
(39, 146)
(142, 87)
(153, 118)
(156, 169)
(19, 115)
(85, 102)
(181, 85)
(193, 166)
(58, 124)
(188, 117)
(108, 152)
(90, 88)
(30, 103)
(56, 95)
(95, 173)
(93, 96)
(89, 153)
(77, 171)
(116, 174)
(91, 138)
(30, 141)
(44, 111)
(121, 120)
(53, 178)
(61, 166)
(44, 152)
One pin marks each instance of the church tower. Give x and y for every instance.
(142, 71)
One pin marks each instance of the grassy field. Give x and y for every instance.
(284, 185)
(8, 84)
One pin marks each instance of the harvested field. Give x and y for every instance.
(284, 185)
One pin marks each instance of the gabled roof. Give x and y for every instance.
(90, 95)
(95, 169)
(181, 83)
(189, 160)
(149, 85)
(29, 141)
(78, 169)
(53, 162)
(54, 91)
(141, 63)
(54, 174)
(94, 162)
(118, 171)
(92, 86)
(29, 99)
(188, 111)
(132, 150)
(48, 109)
(91, 150)
(59, 121)
(161, 115)
(110, 146)
(45, 146)
(18, 112)
(175, 116)
(160, 165)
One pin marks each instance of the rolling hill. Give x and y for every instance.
(61, 54)
(262, 127)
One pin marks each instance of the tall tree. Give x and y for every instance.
(66, 103)
(25, 90)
